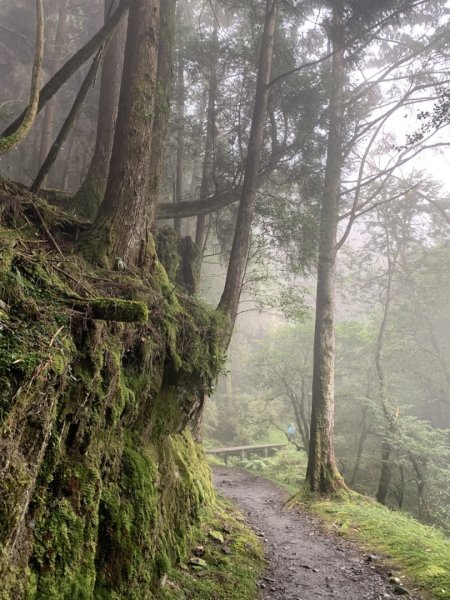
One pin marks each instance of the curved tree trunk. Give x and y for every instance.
(229, 301)
(322, 474)
(9, 140)
(90, 194)
(121, 231)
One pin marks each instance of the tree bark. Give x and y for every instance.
(49, 114)
(178, 189)
(89, 196)
(229, 301)
(162, 101)
(208, 159)
(9, 140)
(121, 231)
(73, 64)
(322, 474)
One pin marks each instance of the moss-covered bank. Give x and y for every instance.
(101, 482)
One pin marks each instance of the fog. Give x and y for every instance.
(392, 367)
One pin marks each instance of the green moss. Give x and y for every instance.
(7, 143)
(103, 474)
(112, 309)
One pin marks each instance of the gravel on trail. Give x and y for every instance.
(303, 561)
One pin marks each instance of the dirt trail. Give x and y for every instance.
(303, 562)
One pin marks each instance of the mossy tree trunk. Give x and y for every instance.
(229, 301)
(122, 228)
(322, 474)
(87, 200)
(208, 159)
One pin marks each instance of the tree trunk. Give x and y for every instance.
(178, 189)
(302, 414)
(121, 231)
(298, 406)
(73, 64)
(88, 198)
(229, 301)
(162, 101)
(389, 416)
(49, 114)
(420, 469)
(364, 432)
(169, 210)
(208, 159)
(322, 474)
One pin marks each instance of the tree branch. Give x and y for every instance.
(204, 206)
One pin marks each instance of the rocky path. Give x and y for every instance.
(303, 562)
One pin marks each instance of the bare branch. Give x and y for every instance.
(8, 142)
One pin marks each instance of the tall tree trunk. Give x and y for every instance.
(162, 101)
(178, 188)
(49, 114)
(362, 437)
(121, 231)
(72, 65)
(90, 194)
(208, 159)
(229, 301)
(388, 414)
(322, 474)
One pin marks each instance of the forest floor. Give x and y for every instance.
(303, 561)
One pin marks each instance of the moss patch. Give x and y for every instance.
(102, 486)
